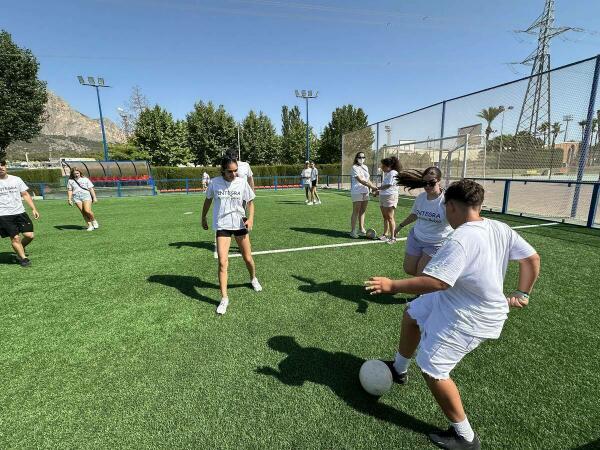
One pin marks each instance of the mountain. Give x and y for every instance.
(68, 133)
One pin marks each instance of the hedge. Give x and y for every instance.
(38, 175)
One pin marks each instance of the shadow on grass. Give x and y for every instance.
(8, 258)
(339, 372)
(350, 292)
(322, 232)
(69, 227)
(291, 202)
(590, 446)
(189, 286)
(203, 245)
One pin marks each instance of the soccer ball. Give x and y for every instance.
(375, 377)
(371, 233)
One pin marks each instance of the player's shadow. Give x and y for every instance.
(589, 446)
(291, 202)
(203, 245)
(190, 286)
(8, 258)
(350, 292)
(339, 372)
(69, 227)
(321, 231)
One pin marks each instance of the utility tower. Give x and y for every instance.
(536, 104)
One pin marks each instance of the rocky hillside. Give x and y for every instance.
(66, 132)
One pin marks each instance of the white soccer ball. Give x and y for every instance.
(375, 377)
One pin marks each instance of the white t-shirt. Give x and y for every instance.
(473, 262)
(11, 202)
(84, 183)
(389, 178)
(205, 177)
(314, 174)
(431, 226)
(229, 198)
(360, 171)
(244, 171)
(306, 176)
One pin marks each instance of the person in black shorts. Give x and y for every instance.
(14, 221)
(314, 179)
(230, 194)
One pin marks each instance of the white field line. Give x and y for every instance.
(351, 244)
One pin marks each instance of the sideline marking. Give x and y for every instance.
(351, 244)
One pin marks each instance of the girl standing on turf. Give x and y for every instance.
(388, 197)
(305, 176)
(81, 191)
(314, 180)
(359, 192)
(230, 193)
(429, 213)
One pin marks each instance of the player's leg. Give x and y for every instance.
(385, 220)
(246, 249)
(316, 194)
(411, 263)
(223, 244)
(15, 242)
(27, 238)
(356, 206)
(306, 192)
(79, 205)
(361, 215)
(447, 397)
(423, 261)
(414, 253)
(87, 207)
(410, 336)
(392, 222)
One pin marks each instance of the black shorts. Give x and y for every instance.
(229, 233)
(313, 183)
(10, 226)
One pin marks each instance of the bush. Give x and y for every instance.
(163, 172)
(39, 175)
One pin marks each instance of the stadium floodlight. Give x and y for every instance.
(306, 95)
(92, 82)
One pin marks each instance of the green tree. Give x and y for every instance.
(343, 120)
(545, 128)
(158, 135)
(211, 131)
(22, 96)
(259, 141)
(489, 115)
(293, 137)
(127, 151)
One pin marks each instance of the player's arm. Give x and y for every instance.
(251, 182)
(27, 198)
(250, 210)
(205, 208)
(529, 270)
(93, 194)
(69, 195)
(410, 219)
(366, 183)
(416, 285)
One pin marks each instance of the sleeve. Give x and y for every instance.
(415, 205)
(448, 263)
(249, 194)
(210, 190)
(520, 248)
(22, 186)
(354, 172)
(250, 174)
(89, 183)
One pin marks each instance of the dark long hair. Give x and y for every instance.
(356, 158)
(227, 159)
(413, 178)
(392, 163)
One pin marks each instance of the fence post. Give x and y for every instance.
(275, 182)
(585, 142)
(593, 206)
(327, 180)
(153, 186)
(442, 133)
(506, 195)
(187, 185)
(118, 188)
(339, 183)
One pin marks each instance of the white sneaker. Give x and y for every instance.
(222, 308)
(95, 224)
(392, 240)
(353, 235)
(256, 285)
(362, 233)
(310, 203)
(216, 255)
(90, 228)
(383, 237)
(306, 201)
(319, 202)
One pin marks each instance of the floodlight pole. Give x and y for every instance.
(98, 84)
(307, 95)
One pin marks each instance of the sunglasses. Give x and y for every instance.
(361, 157)
(230, 171)
(430, 183)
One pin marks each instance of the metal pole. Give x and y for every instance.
(307, 134)
(238, 135)
(585, 143)
(102, 125)
(442, 132)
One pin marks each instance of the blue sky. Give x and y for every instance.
(385, 56)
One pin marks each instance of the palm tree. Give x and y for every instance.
(544, 128)
(489, 114)
(582, 124)
(555, 130)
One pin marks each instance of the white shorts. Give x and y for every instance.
(359, 196)
(79, 197)
(442, 345)
(388, 201)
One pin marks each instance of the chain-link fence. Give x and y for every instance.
(507, 138)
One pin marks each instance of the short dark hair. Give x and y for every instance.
(3, 162)
(467, 192)
(356, 158)
(227, 159)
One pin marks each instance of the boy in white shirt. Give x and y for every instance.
(14, 221)
(305, 176)
(462, 302)
(314, 180)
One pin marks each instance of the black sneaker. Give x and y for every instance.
(400, 378)
(450, 439)
(25, 262)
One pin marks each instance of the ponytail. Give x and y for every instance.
(413, 178)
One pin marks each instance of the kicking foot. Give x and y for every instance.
(90, 228)
(95, 224)
(400, 378)
(222, 308)
(256, 285)
(451, 439)
(25, 262)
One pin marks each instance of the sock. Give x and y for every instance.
(464, 429)
(401, 363)
(225, 300)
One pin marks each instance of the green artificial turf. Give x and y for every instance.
(110, 339)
